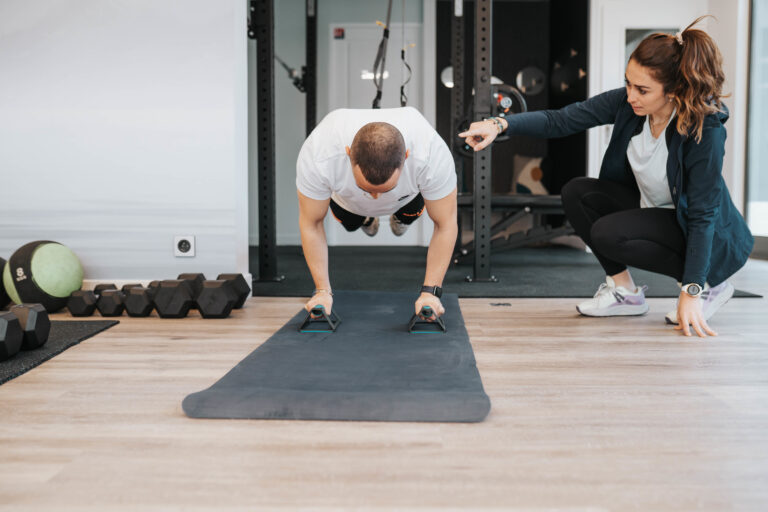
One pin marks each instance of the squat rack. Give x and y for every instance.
(482, 201)
(261, 29)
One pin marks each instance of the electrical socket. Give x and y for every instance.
(184, 246)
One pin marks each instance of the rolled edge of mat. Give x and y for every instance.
(426, 406)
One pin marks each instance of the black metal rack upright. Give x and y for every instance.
(457, 100)
(457, 91)
(310, 69)
(261, 28)
(482, 159)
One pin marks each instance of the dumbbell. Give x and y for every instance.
(195, 281)
(11, 335)
(25, 326)
(239, 286)
(173, 298)
(83, 302)
(35, 324)
(100, 288)
(216, 299)
(139, 300)
(109, 300)
(212, 299)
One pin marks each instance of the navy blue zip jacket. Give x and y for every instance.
(718, 241)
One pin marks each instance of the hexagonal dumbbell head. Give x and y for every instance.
(216, 299)
(138, 301)
(111, 303)
(195, 282)
(11, 335)
(239, 285)
(127, 287)
(82, 303)
(173, 299)
(35, 324)
(103, 287)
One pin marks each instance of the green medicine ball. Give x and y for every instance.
(43, 272)
(4, 298)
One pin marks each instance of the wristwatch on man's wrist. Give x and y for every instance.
(692, 289)
(434, 290)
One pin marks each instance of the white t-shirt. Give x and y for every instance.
(648, 158)
(323, 169)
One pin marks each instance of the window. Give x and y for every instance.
(757, 137)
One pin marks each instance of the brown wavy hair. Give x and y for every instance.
(690, 68)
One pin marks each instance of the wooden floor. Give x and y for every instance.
(587, 415)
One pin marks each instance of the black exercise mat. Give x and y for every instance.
(64, 334)
(543, 272)
(370, 369)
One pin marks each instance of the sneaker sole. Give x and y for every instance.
(617, 311)
(393, 228)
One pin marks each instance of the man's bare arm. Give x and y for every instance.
(443, 214)
(311, 216)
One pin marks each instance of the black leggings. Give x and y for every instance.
(608, 217)
(351, 221)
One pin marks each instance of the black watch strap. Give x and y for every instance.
(434, 290)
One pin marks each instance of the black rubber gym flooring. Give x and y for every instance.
(64, 334)
(370, 369)
(552, 271)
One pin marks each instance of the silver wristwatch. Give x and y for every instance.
(692, 289)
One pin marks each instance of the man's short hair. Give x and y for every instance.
(379, 150)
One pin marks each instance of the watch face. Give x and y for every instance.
(693, 289)
(438, 292)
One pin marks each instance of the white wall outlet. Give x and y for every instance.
(184, 246)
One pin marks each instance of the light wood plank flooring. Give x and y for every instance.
(587, 415)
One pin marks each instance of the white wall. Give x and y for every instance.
(289, 102)
(123, 124)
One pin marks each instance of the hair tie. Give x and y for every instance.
(679, 38)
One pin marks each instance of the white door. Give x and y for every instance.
(350, 85)
(616, 27)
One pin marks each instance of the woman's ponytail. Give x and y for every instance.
(700, 87)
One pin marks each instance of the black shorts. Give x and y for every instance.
(351, 221)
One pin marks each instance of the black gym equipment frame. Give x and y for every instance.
(261, 28)
(457, 100)
(482, 201)
(482, 159)
(310, 68)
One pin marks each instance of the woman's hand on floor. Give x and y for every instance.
(689, 314)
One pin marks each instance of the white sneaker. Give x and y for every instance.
(398, 228)
(711, 300)
(611, 300)
(370, 226)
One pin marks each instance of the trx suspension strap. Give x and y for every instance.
(381, 59)
(403, 97)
